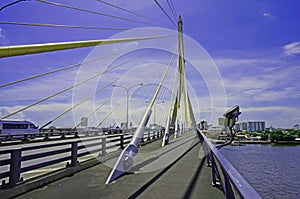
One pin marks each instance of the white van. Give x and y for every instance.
(17, 127)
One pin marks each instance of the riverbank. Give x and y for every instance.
(296, 142)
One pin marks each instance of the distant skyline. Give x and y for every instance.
(255, 45)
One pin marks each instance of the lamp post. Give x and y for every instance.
(127, 99)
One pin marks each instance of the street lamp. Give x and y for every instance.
(127, 97)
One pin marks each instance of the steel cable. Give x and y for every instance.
(173, 7)
(57, 70)
(79, 103)
(163, 10)
(173, 12)
(128, 11)
(89, 11)
(64, 90)
(58, 26)
(94, 111)
(10, 4)
(100, 123)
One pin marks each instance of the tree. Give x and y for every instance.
(264, 136)
(254, 134)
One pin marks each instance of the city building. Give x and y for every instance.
(84, 121)
(251, 126)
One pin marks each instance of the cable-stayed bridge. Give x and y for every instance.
(157, 68)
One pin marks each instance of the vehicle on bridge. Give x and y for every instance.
(17, 127)
(114, 129)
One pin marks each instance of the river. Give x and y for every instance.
(273, 171)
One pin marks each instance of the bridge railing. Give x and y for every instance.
(48, 133)
(224, 174)
(25, 159)
(19, 160)
(54, 134)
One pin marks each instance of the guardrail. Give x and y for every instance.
(224, 174)
(46, 135)
(54, 134)
(32, 156)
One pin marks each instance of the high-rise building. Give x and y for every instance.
(84, 121)
(251, 126)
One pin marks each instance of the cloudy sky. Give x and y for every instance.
(255, 46)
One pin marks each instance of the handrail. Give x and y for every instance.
(62, 133)
(15, 156)
(233, 183)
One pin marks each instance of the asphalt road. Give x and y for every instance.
(176, 171)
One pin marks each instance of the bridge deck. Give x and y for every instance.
(175, 171)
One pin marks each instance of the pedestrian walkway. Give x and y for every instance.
(176, 171)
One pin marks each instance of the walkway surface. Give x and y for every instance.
(176, 171)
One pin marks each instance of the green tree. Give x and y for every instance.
(298, 132)
(264, 136)
(276, 135)
(288, 137)
(254, 134)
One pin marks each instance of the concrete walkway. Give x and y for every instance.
(176, 171)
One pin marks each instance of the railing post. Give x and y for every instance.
(74, 154)
(142, 140)
(9, 137)
(213, 167)
(149, 138)
(32, 136)
(208, 159)
(47, 137)
(15, 166)
(122, 141)
(228, 189)
(63, 136)
(103, 146)
(76, 134)
(25, 138)
(207, 152)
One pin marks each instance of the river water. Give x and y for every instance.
(273, 171)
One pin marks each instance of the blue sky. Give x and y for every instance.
(255, 45)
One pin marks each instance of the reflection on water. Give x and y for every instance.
(273, 171)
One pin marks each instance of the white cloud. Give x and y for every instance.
(28, 91)
(280, 116)
(267, 14)
(269, 108)
(1, 33)
(258, 78)
(292, 48)
(3, 39)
